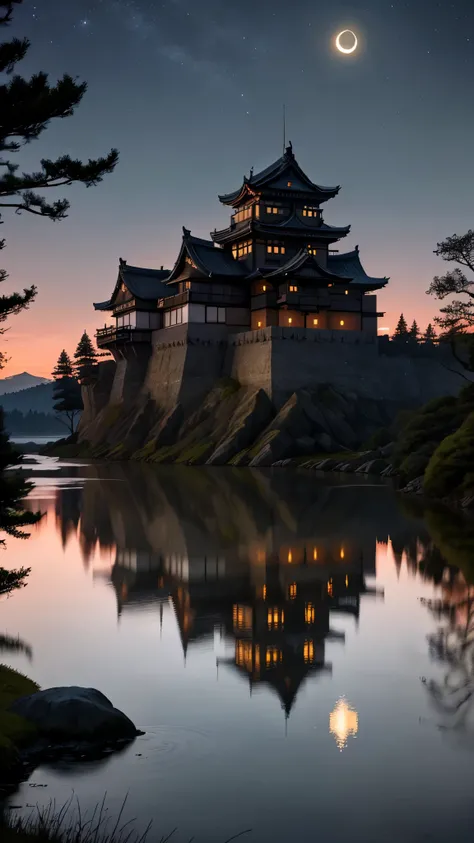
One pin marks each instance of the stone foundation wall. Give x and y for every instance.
(185, 364)
(282, 360)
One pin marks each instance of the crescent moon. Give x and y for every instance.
(346, 49)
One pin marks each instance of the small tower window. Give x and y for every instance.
(242, 249)
(273, 209)
(290, 184)
(274, 247)
(309, 613)
(308, 651)
(292, 591)
(243, 213)
(293, 288)
(290, 320)
(341, 323)
(312, 249)
(309, 211)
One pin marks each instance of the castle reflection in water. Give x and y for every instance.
(266, 563)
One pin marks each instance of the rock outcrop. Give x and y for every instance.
(75, 714)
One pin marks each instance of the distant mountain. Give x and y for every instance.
(37, 399)
(15, 383)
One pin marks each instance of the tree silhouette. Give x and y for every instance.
(26, 107)
(430, 334)
(401, 331)
(86, 361)
(414, 331)
(458, 315)
(66, 392)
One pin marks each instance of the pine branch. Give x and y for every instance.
(7, 5)
(11, 52)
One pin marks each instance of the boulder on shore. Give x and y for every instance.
(72, 714)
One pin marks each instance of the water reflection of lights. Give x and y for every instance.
(343, 723)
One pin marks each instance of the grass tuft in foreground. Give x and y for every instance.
(67, 825)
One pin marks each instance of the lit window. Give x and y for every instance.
(290, 320)
(292, 288)
(273, 210)
(243, 214)
(243, 655)
(275, 618)
(289, 184)
(308, 651)
(329, 285)
(292, 591)
(342, 554)
(330, 588)
(264, 288)
(240, 250)
(347, 581)
(272, 656)
(274, 247)
(259, 324)
(308, 211)
(341, 323)
(187, 285)
(242, 617)
(315, 551)
(290, 555)
(264, 592)
(312, 249)
(315, 321)
(346, 292)
(309, 613)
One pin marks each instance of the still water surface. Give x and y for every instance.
(268, 632)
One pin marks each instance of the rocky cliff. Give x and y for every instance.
(254, 398)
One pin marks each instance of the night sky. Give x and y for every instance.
(191, 92)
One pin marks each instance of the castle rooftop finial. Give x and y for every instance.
(186, 231)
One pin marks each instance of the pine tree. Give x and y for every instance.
(401, 331)
(13, 488)
(430, 334)
(26, 107)
(86, 361)
(67, 391)
(414, 331)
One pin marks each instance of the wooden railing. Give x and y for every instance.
(124, 333)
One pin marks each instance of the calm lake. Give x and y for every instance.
(270, 634)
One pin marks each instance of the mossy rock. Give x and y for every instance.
(266, 439)
(451, 463)
(196, 454)
(14, 730)
(146, 452)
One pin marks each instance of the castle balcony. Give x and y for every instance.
(237, 297)
(106, 337)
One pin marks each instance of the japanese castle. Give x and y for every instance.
(274, 266)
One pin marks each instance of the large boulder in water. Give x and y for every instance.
(75, 714)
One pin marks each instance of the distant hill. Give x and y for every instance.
(37, 399)
(15, 383)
